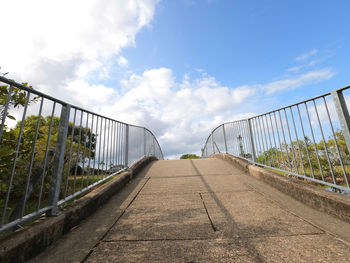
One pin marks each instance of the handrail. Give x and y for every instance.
(58, 151)
(309, 139)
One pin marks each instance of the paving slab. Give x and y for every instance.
(174, 185)
(205, 211)
(301, 248)
(224, 183)
(163, 217)
(77, 244)
(248, 213)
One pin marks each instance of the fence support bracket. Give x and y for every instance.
(58, 162)
(343, 114)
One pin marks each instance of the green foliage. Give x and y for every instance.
(32, 151)
(304, 156)
(189, 156)
(17, 98)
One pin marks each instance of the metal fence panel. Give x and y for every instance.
(52, 152)
(309, 139)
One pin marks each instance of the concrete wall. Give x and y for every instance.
(36, 237)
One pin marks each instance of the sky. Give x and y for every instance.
(179, 68)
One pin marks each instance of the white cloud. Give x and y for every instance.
(58, 45)
(57, 41)
(294, 69)
(122, 61)
(181, 114)
(306, 55)
(298, 81)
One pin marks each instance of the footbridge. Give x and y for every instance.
(80, 187)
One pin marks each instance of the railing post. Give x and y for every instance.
(58, 162)
(126, 157)
(343, 114)
(144, 142)
(223, 129)
(212, 142)
(251, 140)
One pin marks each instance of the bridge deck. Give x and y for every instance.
(202, 211)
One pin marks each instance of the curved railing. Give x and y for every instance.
(53, 152)
(309, 139)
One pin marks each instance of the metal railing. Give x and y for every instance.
(53, 152)
(309, 139)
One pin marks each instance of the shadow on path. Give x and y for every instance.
(247, 245)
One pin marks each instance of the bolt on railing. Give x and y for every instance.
(58, 151)
(309, 139)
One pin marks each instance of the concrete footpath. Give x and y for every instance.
(202, 211)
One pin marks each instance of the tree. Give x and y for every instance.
(189, 156)
(36, 153)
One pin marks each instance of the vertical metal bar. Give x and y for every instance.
(70, 154)
(343, 115)
(241, 146)
(154, 148)
(296, 135)
(127, 146)
(279, 141)
(212, 142)
(104, 149)
(118, 143)
(90, 146)
(5, 111)
(274, 158)
(84, 152)
(223, 130)
(246, 136)
(262, 147)
(15, 160)
(261, 152)
(121, 144)
(324, 143)
(78, 151)
(113, 143)
(267, 147)
(306, 145)
(256, 140)
(107, 146)
(313, 137)
(251, 140)
(32, 157)
(336, 143)
(291, 142)
(46, 154)
(99, 151)
(144, 142)
(274, 141)
(58, 161)
(95, 151)
(240, 139)
(285, 142)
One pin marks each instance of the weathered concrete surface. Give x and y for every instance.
(203, 211)
(36, 237)
(331, 203)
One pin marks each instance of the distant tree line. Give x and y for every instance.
(189, 156)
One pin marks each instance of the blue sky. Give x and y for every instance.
(247, 42)
(182, 67)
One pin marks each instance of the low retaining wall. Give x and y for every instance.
(36, 237)
(331, 203)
